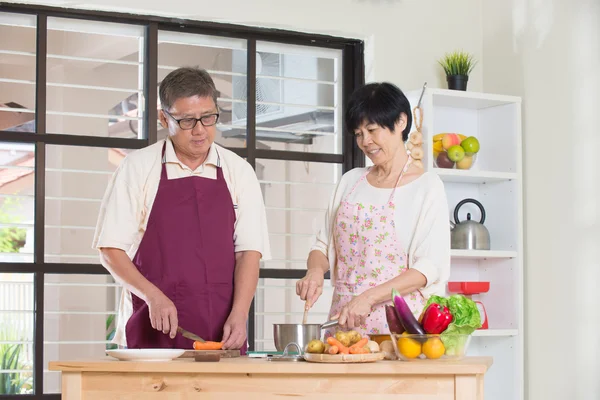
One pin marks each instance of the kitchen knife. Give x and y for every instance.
(189, 335)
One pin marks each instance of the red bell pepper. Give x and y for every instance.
(436, 318)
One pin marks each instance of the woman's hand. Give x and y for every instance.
(310, 287)
(355, 313)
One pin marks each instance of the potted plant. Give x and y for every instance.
(457, 66)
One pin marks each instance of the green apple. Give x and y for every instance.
(470, 145)
(456, 153)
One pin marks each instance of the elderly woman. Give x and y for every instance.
(386, 225)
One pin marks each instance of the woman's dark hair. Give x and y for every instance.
(378, 103)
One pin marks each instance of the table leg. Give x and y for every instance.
(71, 386)
(468, 387)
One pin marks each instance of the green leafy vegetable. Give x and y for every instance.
(466, 319)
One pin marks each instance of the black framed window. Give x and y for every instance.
(78, 92)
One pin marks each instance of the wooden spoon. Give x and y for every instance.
(305, 313)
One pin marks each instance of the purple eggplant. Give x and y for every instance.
(406, 317)
(392, 319)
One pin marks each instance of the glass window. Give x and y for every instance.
(79, 319)
(95, 81)
(17, 162)
(76, 179)
(296, 195)
(17, 72)
(95, 78)
(16, 333)
(298, 94)
(225, 59)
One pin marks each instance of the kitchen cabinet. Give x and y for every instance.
(258, 379)
(495, 180)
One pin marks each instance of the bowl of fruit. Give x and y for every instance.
(410, 347)
(442, 331)
(454, 151)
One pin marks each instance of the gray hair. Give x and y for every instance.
(186, 82)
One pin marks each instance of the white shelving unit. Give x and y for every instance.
(495, 180)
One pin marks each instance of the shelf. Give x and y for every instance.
(468, 176)
(470, 100)
(496, 332)
(483, 254)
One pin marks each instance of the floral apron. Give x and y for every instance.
(369, 254)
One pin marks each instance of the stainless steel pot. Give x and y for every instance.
(284, 334)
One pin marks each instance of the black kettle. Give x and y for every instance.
(469, 234)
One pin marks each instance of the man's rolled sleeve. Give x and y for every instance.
(251, 230)
(120, 212)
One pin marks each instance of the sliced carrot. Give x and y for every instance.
(208, 345)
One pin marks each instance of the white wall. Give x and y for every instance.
(407, 36)
(549, 52)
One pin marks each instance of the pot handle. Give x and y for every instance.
(329, 324)
(460, 204)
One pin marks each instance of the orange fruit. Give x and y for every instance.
(433, 348)
(409, 348)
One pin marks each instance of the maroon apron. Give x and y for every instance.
(187, 251)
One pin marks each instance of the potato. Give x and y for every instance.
(354, 337)
(343, 338)
(315, 347)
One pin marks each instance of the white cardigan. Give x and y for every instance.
(421, 220)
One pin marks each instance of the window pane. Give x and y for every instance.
(76, 178)
(298, 94)
(79, 320)
(225, 59)
(95, 78)
(17, 72)
(16, 202)
(296, 196)
(276, 302)
(16, 333)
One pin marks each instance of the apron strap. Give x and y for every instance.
(404, 169)
(357, 183)
(163, 162)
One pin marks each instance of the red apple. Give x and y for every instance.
(449, 140)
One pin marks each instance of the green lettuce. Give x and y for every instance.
(465, 320)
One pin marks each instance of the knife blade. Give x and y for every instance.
(189, 335)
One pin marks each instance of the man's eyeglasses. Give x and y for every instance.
(190, 123)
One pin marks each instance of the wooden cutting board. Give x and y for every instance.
(222, 353)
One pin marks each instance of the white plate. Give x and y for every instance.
(145, 354)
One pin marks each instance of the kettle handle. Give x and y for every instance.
(478, 204)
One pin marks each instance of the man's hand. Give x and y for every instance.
(234, 331)
(163, 314)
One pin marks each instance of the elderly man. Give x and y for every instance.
(183, 227)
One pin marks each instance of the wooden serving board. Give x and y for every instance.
(222, 353)
(344, 358)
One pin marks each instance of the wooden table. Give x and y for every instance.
(258, 379)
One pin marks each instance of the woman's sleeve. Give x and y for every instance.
(431, 244)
